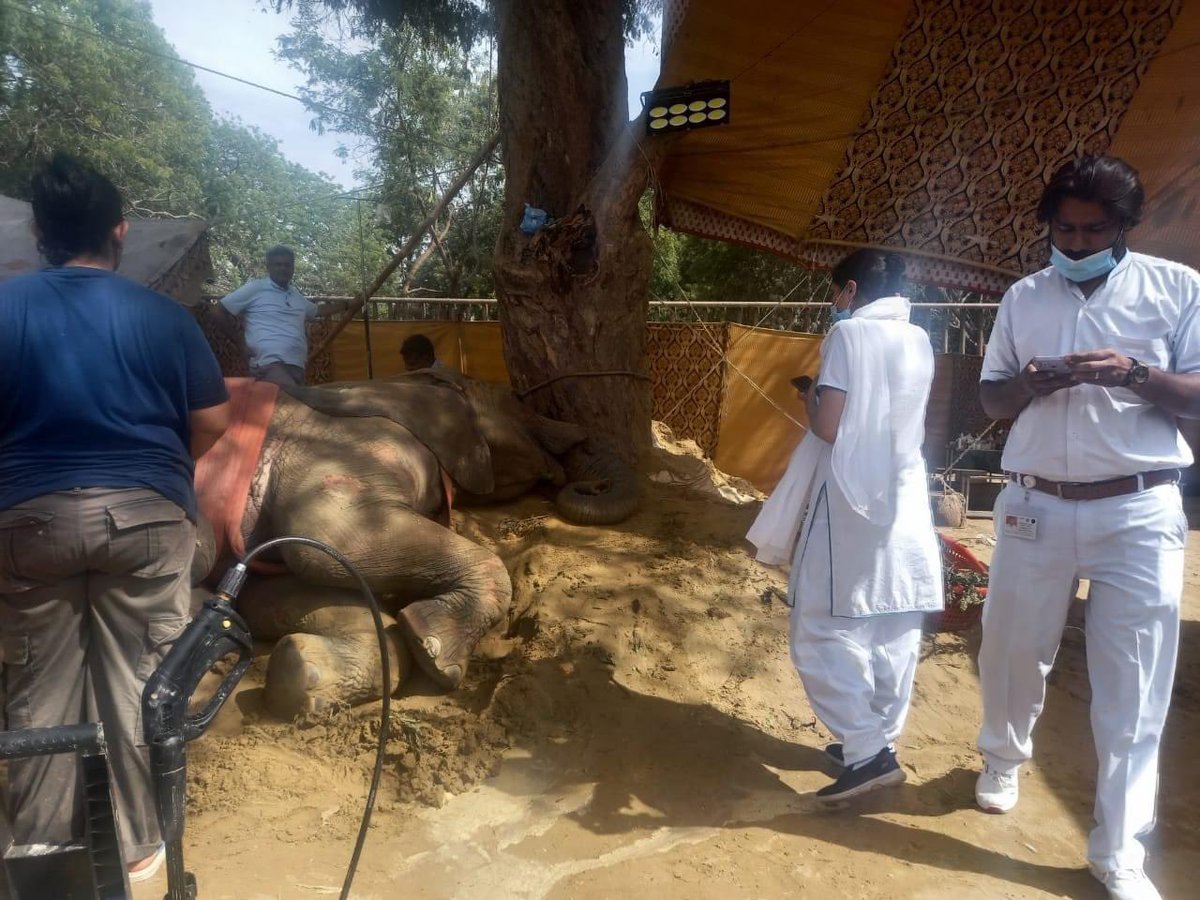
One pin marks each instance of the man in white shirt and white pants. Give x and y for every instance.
(1094, 358)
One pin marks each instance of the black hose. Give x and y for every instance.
(385, 713)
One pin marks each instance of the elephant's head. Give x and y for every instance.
(494, 447)
(597, 486)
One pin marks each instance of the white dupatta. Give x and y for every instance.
(778, 523)
(864, 455)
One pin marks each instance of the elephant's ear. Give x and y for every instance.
(438, 415)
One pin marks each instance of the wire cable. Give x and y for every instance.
(176, 58)
(237, 578)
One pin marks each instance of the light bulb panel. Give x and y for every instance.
(697, 105)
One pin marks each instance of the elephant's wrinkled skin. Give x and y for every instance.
(359, 466)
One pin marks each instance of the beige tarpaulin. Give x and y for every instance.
(929, 126)
(168, 255)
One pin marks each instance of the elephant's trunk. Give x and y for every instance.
(602, 489)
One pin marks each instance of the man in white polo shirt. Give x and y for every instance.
(1094, 358)
(274, 314)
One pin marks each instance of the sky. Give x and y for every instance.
(238, 37)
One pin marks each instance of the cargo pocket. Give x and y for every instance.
(161, 633)
(14, 654)
(149, 537)
(27, 550)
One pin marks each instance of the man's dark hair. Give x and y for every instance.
(1106, 180)
(417, 346)
(876, 272)
(281, 250)
(75, 209)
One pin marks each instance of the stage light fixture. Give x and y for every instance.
(696, 105)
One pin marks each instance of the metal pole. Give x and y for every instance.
(362, 287)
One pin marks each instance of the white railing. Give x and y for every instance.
(952, 327)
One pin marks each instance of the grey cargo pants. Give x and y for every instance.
(94, 586)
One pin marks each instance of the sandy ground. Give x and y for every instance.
(638, 731)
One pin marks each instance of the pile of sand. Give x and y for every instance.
(635, 728)
(682, 463)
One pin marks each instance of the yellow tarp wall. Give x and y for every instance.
(472, 348)
(755, 439)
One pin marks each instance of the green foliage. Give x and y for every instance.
(421, 107)
(419, 103)
(713, 270)
(458, 22)
(256, 198)
(67, 82)
(691, 268)
(72, 78)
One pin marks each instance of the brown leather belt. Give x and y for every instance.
(1096, 490)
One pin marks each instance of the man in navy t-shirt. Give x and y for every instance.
(98, 379)
(108, 392)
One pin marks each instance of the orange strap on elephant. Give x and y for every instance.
(224, 473)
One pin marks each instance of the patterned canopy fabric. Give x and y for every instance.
(929, 126)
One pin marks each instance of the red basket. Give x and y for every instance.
(956, 556)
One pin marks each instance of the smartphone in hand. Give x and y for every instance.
(1055, 365)
(802, 383)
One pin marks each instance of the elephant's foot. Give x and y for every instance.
(310, 674)
(443, 631)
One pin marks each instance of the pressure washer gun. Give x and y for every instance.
(214, 633)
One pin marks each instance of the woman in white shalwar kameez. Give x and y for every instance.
(866, 564)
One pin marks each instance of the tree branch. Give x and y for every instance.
(402, 254)
(424, 255)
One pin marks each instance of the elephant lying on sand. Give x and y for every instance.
(361, 466)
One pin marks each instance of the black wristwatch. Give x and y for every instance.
(1138, 373)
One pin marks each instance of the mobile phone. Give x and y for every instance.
(1055, 365)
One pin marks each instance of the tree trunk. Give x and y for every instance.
(573, 298)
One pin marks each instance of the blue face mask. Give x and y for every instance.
(841, 315)
(1097, 265)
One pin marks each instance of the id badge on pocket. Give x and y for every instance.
(1021, 521)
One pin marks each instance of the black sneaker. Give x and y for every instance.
(881, 771)
(833, 753)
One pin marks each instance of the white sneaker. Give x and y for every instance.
(996, 791)
(1127, 884)
(149, 866)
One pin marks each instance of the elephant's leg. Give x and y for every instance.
(310, 673)
(278, 605)
(327, 652)
(460, 590)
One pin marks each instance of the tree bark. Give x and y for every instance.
(573, 298)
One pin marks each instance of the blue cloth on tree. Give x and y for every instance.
(534, 219)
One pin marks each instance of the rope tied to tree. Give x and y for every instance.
(617, 373)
